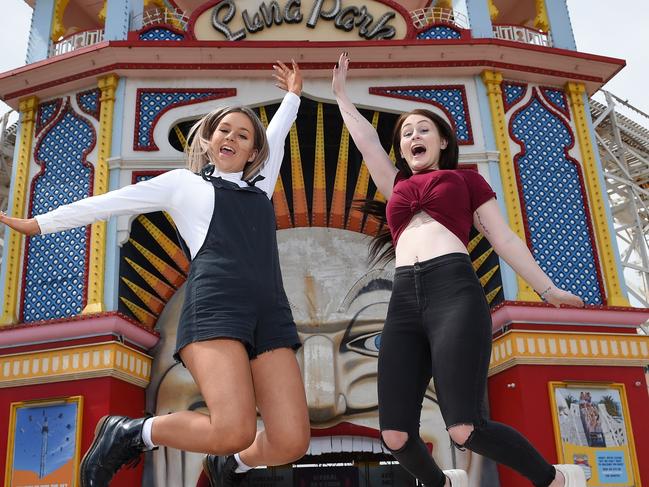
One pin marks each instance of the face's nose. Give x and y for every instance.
(320, 379)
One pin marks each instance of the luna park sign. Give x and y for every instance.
(368, 22)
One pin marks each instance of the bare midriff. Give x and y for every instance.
(425, 238)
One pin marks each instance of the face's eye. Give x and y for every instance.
(243, 136)
(367, 344)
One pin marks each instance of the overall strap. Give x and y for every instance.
(219, 182)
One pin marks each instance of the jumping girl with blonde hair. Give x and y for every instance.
(236, 334)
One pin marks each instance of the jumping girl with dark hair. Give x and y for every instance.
(236, 334)
(438, 323)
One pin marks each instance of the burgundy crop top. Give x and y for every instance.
(449, 196)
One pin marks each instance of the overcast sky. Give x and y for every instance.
(598, 27)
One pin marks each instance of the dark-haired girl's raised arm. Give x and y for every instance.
(363, 133)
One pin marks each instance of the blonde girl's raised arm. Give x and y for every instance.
(289, 79)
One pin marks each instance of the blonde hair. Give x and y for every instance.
(199, 152)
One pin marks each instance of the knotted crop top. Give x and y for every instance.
(449, 196)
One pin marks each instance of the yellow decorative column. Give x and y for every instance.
(102, 13)
(541, 21)
(492, 81)
(14, 239)
(107, 86)
(615, 296)
(493, 10)
(58, 28)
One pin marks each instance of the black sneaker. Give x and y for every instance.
(220, 471)
(118, 441)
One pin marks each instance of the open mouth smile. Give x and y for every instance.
(418, 150)
(227, 150)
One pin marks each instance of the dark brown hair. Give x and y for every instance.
(448, 156)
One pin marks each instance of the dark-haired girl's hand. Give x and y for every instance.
(558, 297)
(288, 79)
(339, 81)
(27, 227)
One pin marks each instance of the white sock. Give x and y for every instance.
(242, 468)
(146, 433)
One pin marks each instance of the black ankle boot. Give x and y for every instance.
(220, 471)
(118, 441)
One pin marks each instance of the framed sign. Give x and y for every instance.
(43, 445)
(592, 429)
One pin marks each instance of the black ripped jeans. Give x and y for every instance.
(439, 326)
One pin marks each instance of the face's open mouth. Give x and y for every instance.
(347, 438)
(418, 150)
(227, 150)
(321, 445)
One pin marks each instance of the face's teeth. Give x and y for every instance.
(334, 444)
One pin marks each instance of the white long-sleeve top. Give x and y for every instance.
(188, 198)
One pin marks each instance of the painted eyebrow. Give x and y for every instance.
(375, 280)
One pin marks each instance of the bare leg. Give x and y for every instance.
(221, 369)
(282, 404)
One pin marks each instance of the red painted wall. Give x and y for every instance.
(526, 407)
(100, 397)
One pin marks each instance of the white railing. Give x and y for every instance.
(157, 16)
(77, 41)
(423, 17)
(519, 33)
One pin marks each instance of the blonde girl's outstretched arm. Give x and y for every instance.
(363, 133)
(489, 221)
(290, 80)
(153, 195)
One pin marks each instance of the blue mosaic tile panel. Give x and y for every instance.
(512, 94)
(554, 202)
(143, 177)
(46, 113)
(89, 102)
(557, 99)
(161, 34)
(56, 268)
(439, 32)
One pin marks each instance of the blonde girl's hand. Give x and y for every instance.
(558, 297)
(27, 227)
(339, 81)
(288, 79)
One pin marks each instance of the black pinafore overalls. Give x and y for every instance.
(234, 288)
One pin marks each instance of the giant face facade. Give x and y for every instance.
(339, 304)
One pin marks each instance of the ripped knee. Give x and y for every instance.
(461, 435)
(394, 440)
